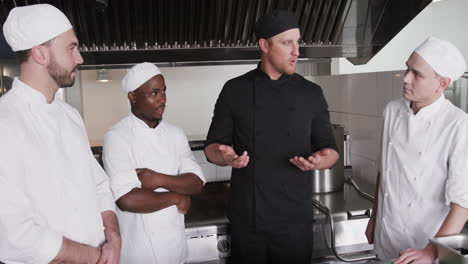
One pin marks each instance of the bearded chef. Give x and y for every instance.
(55, 199)
(422, 190)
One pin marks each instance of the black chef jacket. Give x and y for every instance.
(273, 120)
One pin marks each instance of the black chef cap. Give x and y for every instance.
(276, 22)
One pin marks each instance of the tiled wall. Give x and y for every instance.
(356, 101)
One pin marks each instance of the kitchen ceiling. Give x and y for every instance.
(222, 31)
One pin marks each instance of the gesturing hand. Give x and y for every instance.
(313, 162)
(232, 159)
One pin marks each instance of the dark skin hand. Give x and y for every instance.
(186, 183)
(147, 201)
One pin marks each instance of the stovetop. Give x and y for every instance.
(209, 206)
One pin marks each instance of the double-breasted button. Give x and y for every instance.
(292, 108)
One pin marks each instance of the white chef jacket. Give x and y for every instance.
(424, 168)
(157, 237)
(50, 183)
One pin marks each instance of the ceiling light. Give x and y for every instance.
(103, 75)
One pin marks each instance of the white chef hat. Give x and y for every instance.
(445, 59)
(138, 75)
(29, 26)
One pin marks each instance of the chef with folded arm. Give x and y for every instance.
(422, 187)
(152, 172)
(56, 205)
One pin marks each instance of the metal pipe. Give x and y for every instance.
(360, 192)
(326, 210)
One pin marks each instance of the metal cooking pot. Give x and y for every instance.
(329, 180)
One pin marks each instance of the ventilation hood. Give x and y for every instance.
(121, 32)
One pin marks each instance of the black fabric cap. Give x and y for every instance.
(276, 22)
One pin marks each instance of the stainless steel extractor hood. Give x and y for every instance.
(222, 31)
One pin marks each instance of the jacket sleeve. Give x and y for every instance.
(187, 159)
(119, 166)
(456, 190)
(103, 189)
(322, 133)
(222, 124)
(25, 236)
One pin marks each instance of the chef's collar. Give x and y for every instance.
(427, 112)
(29, 94)
(261, 75)
(140, 124)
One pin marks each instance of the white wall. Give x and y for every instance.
(191, 95)
(103, 104)
(446, 20)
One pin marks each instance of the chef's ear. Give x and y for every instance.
(264, 45)
(40, 54)
(131, 97)
(444, 82)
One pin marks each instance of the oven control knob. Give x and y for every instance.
(223, 246)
